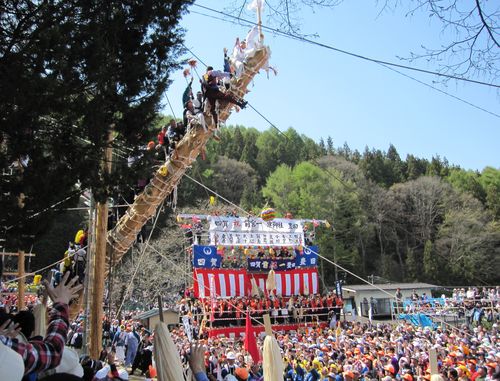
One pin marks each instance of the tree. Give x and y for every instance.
(467, 242)
(474, 46)
(330, 149)
(415, 167)
(467, 181)
(250, 151)
(490, 181)
(71, 73)
(231, 178)
(322, 146)
(146, 272)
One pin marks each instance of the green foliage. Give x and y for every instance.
(71, 73)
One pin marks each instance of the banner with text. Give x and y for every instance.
(236, 231)
(206, 257)
(308, 258)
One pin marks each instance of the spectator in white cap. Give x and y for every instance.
(11, 364)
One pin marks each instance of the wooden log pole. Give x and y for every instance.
(21, 283)
(97, 295)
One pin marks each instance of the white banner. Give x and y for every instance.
(235, 231)
(187, 328)
(255, 225)
(255, 239)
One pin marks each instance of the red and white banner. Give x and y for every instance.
(230, 282)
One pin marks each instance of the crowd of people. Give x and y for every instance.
(342, 351)
(227, 312)
(477, 305)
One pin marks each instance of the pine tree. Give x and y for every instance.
(71, 73)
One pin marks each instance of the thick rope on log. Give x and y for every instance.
(123, 236)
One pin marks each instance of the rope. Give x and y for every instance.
(207, 287)
(44, 268)
(171, 109)
(141, 256)
(329, 47)
(319, 255)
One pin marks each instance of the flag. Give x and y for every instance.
(255, 5)
(250, 342)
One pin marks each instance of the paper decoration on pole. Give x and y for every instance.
(37, 279)
(272, 362)
(268, 214)
(271, 281)
(168, 362)
(255, 288)
(187, 327)
(306, 289)
(40, 313)
(213, 200)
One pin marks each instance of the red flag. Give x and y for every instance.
(250, 341)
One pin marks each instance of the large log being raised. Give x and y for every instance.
(122, 237)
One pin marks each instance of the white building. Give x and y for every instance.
(360, 296)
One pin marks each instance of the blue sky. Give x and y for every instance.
(322, 93)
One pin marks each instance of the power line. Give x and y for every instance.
(356, 55)
(319, 255)
(387, 67)
(441, 91)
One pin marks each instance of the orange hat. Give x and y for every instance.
(408, 377)
(390, 369)
(241, 373)
(349, 374)
(356, 350)
(381, 353)
(491, 365)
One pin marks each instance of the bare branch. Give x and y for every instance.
(485, 23)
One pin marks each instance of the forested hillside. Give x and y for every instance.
(400, 219)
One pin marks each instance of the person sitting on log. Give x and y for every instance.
(212, 93)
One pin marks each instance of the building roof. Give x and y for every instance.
(388, 286)
(153, 312)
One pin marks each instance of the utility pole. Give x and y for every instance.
(20, 274)
(21, 283)
(89, 274)
(335, 259)
(97, 293)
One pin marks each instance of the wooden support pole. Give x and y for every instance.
(160, 308)
(21, 281)
(97, 295)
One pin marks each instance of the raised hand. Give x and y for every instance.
(197, 358)
(65, 291)
(9, 329)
